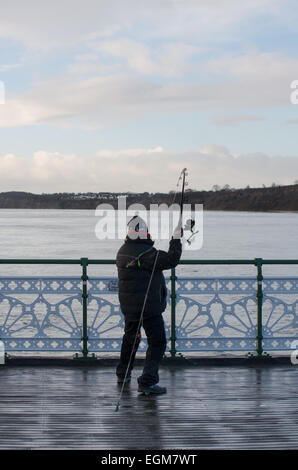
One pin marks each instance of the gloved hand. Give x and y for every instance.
(178, 232)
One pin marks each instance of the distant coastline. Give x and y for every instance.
(274, 198)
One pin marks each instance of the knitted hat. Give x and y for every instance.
(137, 228)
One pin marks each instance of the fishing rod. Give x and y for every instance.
(190, 223)
(183, 176)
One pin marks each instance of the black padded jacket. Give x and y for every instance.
(135, 261)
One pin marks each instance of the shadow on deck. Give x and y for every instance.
(218, 407)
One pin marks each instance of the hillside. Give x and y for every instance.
(279, 198)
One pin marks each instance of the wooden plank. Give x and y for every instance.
(205, 408)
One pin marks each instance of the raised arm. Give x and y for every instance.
(165, 259)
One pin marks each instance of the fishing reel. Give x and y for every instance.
(189, 226)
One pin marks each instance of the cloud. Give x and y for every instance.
(7, 67)
(95, 102)
(58, 24)
(101, 101)
(166, 60)
(64, 23)
(136, 59)
(128, 152)
(255, 64)
(114, 78)
(2, 93)
(232, 120)
(112, 62)
(142, 170)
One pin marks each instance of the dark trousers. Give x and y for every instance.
(157, 343)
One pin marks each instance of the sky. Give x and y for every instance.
(112, 95)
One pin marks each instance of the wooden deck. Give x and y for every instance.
(217, 407)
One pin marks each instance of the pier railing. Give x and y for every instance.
(81, 314)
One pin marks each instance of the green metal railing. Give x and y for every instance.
(85, 262)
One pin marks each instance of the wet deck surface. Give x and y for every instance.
(205, 408)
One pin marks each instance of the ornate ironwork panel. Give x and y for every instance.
(211, 314)
(216, 314)
(280, 312)
(40, 314)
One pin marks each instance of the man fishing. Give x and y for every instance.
(142, 296)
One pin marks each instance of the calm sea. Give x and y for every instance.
(49, 234)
